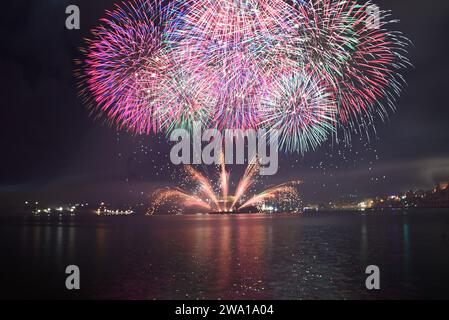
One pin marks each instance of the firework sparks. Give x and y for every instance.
(362, 61)
(170, 195)
(306, 68)
(205, 185)
(125, 50)
(207, 199)
(272, 193)
(224, 177)
(245, 182)
(301, 108)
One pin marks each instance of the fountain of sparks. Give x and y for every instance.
(206, 199)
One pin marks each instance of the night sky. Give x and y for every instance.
(53, 150)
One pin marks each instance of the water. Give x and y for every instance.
(319, 256)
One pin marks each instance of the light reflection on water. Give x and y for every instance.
(230, 257)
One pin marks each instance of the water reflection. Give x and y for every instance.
(231, 257)
(406, 241)
(364, 241)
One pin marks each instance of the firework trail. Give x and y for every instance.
(224, 179)
(162, 197)
(307, 68)
(272, 193)
(245, 182)
(205, 186)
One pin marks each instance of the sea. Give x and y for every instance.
(319, 255)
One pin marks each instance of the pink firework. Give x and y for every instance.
(306, 68)
(124, 64)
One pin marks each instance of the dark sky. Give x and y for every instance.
(52, 150)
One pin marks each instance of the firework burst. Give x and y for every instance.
(357, 54)
(123, 63)
(306, 68)
(303, 110)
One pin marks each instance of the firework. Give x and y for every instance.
(205, 197)
(165, 196)
(272, 193)
(123, 63)
(306, 68)
(184, 101)
(356, 53)
(205, 185)
(302, 108)
(218, 40)
(245, 182)
(224, 179)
